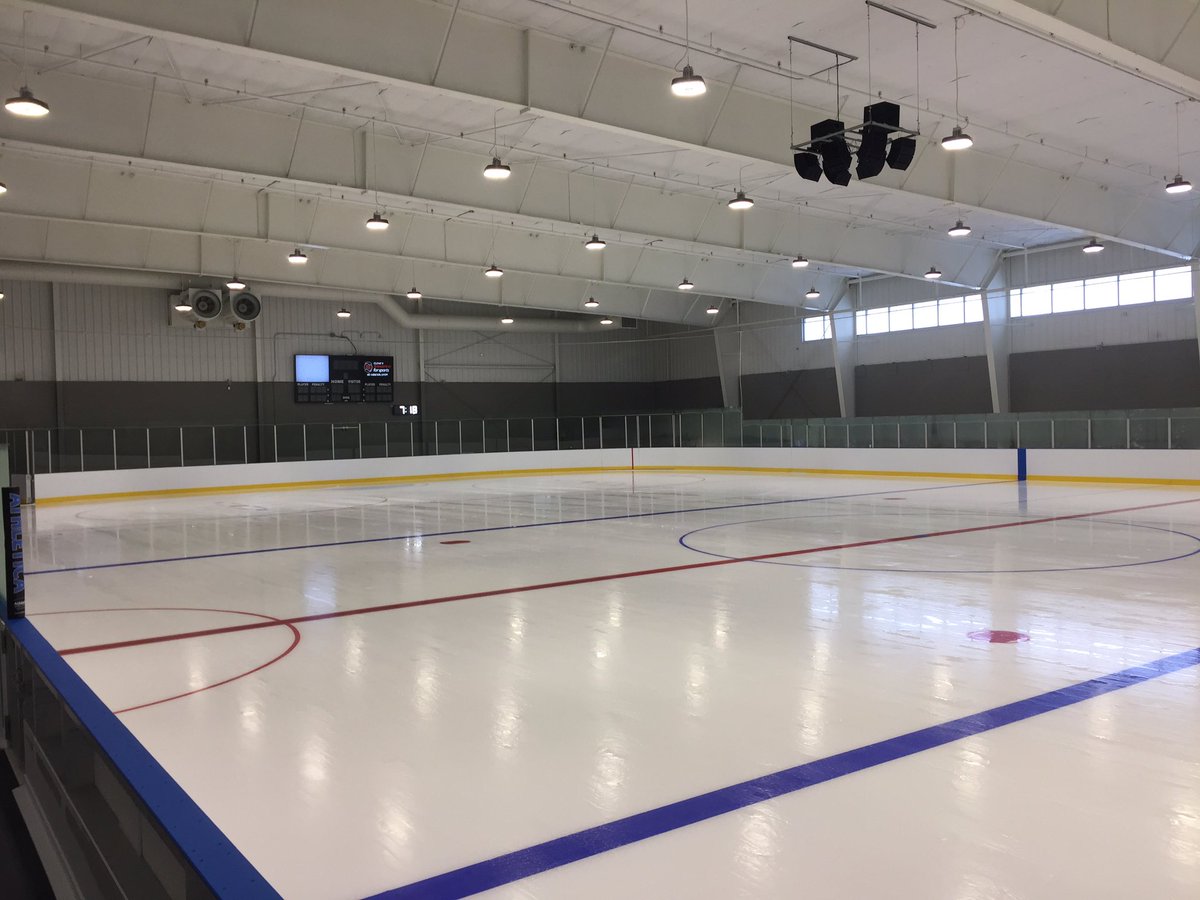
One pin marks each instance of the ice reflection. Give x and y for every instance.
(1183, 840)
(506, 727)
(720, 636)
(697, 682)
(425, 686)
(609, 777)
(757, 848)
(971, 762)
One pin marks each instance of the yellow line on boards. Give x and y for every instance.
(771, 470)
(1096, 479)
(335, 482)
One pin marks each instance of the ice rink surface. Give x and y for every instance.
(600, 646)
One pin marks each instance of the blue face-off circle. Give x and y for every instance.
(800, 562)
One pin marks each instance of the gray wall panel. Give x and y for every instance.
(1133, 376)
(803, 394)
(927, 387)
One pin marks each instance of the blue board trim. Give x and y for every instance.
(510, 867)
(1022, 467)
(219, 863)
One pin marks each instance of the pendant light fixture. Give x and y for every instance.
(413, 293)
(686, 285)
(687, 84)
(1093, 246)
(713, 309)
(343, 313)
(3, 188)
(506, 320)
(958, 229)
(812, 294)
(933, 274)
(594, 243)
(297, 257)
(958, 139)
(800, 262)
(493, 271)
(183, 306)
(377, 222)
(740, 201)
(591, 302)
(1180, 185)
(495, 170)
(25, 104)
(235, 284)
(606, 321)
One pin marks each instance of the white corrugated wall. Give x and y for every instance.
(26, 332)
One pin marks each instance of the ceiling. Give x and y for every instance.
(215, 136)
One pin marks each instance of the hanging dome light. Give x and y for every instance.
(3, 188)
(506, 320)
(957, 140)
(377, 223)
(235, 284)
(800, 262)
(297, 257)
(713, 309)
(606, 321)
(183, 306)
(933, 274)
(741, 201)
(1179, 186)
(959, 229)
(493, 271)
(686, 285)
(689, 84)
(1093, 246)
(496, 170)
(591, 302)
(343, 313)
(27, 105)
(413, 293)
(812, 293)
(594, 243)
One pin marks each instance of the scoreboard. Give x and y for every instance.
(343, 379)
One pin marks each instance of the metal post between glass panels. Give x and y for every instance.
(437, 444)
(182, 463)
(360, 456)
(213, 440)
(245, 446)
(29, 451)
(81, 448)
(507, 436)
(460, 449)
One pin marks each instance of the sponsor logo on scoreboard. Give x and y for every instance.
(14, 555)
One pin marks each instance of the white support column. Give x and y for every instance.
(1196, 295)
(728, 343)
(845, 350)
(997, 334)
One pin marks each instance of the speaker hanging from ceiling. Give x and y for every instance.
(835, 152)
(808, 166)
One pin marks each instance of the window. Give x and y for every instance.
(973, 308)
(900, 318)
(1035, 301)
(925, 315)
(1129, 289)
(816, 328)
(950, 311)
(1100, 293)
(1173, 284)
(1136, 287)
(1067, 296)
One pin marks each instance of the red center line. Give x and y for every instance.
(592, 579)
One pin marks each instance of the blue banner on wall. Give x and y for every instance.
(14, 555)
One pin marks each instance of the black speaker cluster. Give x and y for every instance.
(833, 146)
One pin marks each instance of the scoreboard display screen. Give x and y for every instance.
(343, 379)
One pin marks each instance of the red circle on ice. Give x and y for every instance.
(998, 637)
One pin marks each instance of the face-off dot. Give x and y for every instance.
(998, 637)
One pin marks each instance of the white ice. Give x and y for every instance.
(396, 745)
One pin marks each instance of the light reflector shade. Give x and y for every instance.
(741, 201)
(958, 229)
(343, 313)
(812, 293)
(686, 285)
(933, 274)
(496, 170)
(1093, 246)
(957, 140)
(800, 262)
(413, 293)
(1179, 186)
(506, 320)
(689, 84)
(606, 321)
(591, 302)
(297, 257)
(235, 284)
(25, 104)
(594, 243)
(493, 271)
(377, 223)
